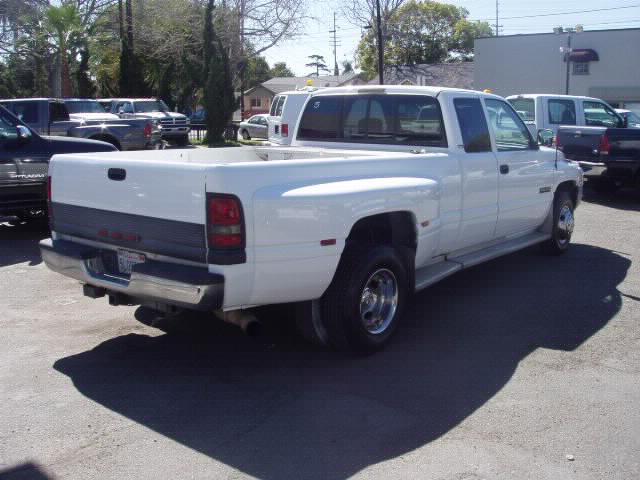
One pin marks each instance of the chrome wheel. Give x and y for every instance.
(566, 222)
(379, 301)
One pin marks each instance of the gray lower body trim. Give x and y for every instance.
(171, 238)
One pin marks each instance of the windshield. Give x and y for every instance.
(525, 108)
(84, 106)
(147, 106)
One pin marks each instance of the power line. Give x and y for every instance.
(565, 13)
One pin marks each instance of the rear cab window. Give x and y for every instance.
(388, 119)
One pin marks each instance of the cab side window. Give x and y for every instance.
(510, 131)
(562, 112)
(473, 125)
(597, 114)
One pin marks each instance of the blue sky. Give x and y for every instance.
(316, 37)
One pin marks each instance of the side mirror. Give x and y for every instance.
(23, 134)
(545, 137)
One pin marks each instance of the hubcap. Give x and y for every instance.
(566, 223)
(379, 301)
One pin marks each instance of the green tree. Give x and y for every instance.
(219, 99)
(347, 67)
(423, 32)
(257, 71)
(64, 25)
(280, 69)
(318, 62)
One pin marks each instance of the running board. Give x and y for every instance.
(431, 274)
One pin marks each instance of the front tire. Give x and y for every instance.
(363, 305)
(563, 224)
(245, 135)
(183, 141)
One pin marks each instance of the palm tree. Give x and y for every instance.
(64, 25)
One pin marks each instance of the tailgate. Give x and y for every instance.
(580, 144)
(133, 200)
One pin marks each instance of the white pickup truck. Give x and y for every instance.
(384, 191)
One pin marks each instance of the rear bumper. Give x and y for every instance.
(150, 282)
(593, 169)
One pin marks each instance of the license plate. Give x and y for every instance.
(127, 259)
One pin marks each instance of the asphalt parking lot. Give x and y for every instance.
(527, 367)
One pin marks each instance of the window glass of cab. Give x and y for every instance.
(320, 120)
(274, 104)
(8, 126)
(27, 112)
(58, 112)
(562, 112)
(280, 106)
(473, 125)
(598, 114)
(384, 119)
(525, 107)
(508, 128)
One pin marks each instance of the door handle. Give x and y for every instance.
(504, 169)
(117, 174)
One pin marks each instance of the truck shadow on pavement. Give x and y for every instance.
(278, 408)
(19, 243)
(623, 199)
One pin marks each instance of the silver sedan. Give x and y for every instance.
(254, 127)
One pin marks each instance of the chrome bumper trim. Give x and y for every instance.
(162, 282)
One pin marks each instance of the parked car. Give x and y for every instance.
(285, 110)
(254, 127)
(199, 116)
(549, 112)
(24, 158)
(175, 126)
(631, 118)
(609, 157)
(50, 116)
(86, 109)
(375, 199)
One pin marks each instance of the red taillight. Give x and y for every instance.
(226, 224)
(604, 145)
(148, 130)
(284, 129)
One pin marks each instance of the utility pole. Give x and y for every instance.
(497, 19)
(380, 44)
(243, 62)
(336, 72)
(568, 59)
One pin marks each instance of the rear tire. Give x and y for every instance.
(362, 307)
(563, 224)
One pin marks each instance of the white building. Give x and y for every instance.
(603, 64)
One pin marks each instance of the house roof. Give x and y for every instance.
(282, 84)
(454, 75)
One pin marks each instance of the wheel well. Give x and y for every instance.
(107, 138)
(570, 187)
(394, 228)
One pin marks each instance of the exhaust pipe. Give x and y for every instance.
(244, 319)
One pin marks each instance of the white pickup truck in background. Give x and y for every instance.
(384, 191)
